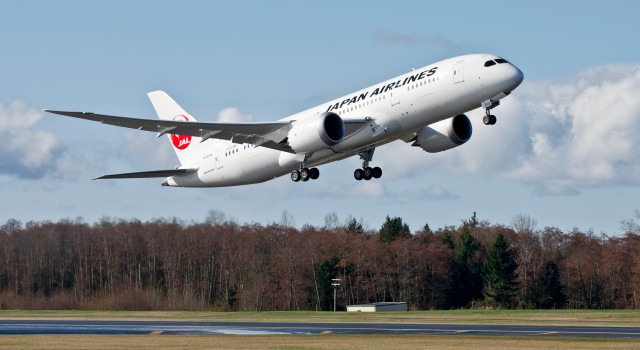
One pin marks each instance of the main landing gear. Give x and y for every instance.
(305, 174)
(489, 119)
(367, 172)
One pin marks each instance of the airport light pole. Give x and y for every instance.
(335, 282)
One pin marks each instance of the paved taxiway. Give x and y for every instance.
(179, 327)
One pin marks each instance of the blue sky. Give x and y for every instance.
(564, 151)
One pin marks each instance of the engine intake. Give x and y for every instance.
(314, 134)
(445, 134)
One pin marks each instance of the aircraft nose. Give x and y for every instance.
(515, 77)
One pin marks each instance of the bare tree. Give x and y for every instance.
(331, 221)
(216, 217)
(524, 223)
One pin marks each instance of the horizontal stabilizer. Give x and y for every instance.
(148, 174)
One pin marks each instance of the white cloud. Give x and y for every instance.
(584, 133)
(18, 116)
(149, 150)
(233, 115)
(25, 150)
(367, 189)
(559, 137)
(436, 193)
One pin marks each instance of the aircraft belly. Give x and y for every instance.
(258, 165)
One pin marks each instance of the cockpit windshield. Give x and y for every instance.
(493, 62)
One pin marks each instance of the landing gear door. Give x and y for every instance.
(458, 72)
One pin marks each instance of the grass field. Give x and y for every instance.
(131, 342)
(530, 317)
(329, 341)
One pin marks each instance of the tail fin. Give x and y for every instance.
(188, 149)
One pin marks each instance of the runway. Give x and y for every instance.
(262, 328)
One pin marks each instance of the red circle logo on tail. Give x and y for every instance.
(180, 141)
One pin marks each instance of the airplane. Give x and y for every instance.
(424, 107)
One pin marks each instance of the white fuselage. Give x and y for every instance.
(396, 108)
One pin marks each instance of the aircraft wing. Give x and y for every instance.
(265, 134)
(268, 134)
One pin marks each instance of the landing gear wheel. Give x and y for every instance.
(358, 174)
(314, 173)
(295, 176)
(376, 173)
(368, 173)
(489, 119)
(304, 174)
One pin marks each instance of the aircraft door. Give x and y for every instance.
(395, 98)
(219, 160)
(458, 72)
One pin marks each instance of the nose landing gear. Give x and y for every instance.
(489, 119)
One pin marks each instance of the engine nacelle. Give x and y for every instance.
(445, 134)
(314, 134)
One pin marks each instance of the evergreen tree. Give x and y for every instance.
(392, 229)
(499, 273)
(324, 273)
(353, 225)
(467, 280)
(551, 291)
(447, 238)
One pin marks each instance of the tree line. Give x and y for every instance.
(221, 265)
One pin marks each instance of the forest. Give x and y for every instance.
(220, 265)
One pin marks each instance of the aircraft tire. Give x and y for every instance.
(368, 173)
(314, 173)
(295, 176)
(304, 174)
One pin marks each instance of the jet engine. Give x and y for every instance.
(316, 133)
(445, 134)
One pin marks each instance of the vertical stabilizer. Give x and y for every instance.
(189, 149)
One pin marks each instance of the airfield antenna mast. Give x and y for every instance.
(335, 282)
